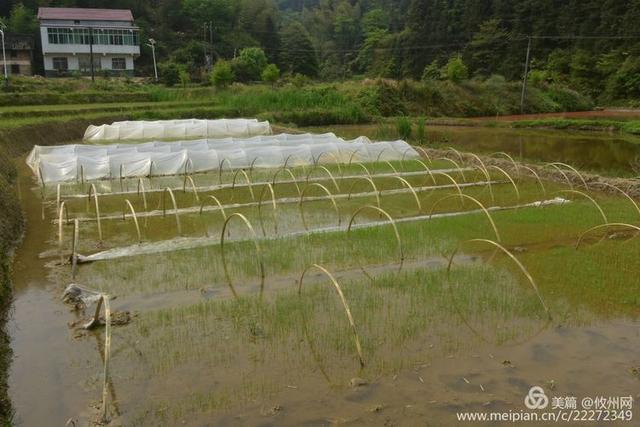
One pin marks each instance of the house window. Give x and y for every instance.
(84, 63)
(118, 64)
(60, 64)
(100, 36)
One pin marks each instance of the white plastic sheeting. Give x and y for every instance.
(88, 162)
(177, 129)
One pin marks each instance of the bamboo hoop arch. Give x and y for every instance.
(413, 191)
(193, 187)
(508, 156)
(93, 191)
(477, 202)
(144, 195)
(220, 208)
(564, 175)
(328, 172)
(224, 159)
(175, 208)
(513, 183)
(293, 177)
(127, 204)
(575, 171)
(246, 177)
(456, 165)
(535, 174)
(373, 185)
(456, 152)
(275, 208)
(326, 190)
(335, 159)
(62, 209)
(591, 199)
(395, 230)
(607, 225)
(497, 247)
(257, 247)
(343, 300)
(423, 151)
(485, 172)
(624, 193)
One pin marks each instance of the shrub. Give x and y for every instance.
(222, 74)
(249, 64)
(184, 76)
(271, 74)
(431, 71)
(170, 74)
(456, 70)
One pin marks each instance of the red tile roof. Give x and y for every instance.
(84, 14)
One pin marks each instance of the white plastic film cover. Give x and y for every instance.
(90, 162)
(177, 129)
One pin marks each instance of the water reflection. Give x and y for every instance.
(599, 152)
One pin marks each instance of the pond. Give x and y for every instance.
(604, 153)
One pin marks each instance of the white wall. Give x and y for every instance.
(74, 65)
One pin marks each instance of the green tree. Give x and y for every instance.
(583, 74)
(298, 54)
(249, 64)
(431, 71)
(222, 74)
(456, 70)
(22, 20)
(184, 77)
(487, 48)
(271, 74)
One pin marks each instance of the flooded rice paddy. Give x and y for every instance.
(598, 152)
(236, 334)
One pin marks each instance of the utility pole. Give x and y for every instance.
(152, 45)
(207, 38)
(93, 73)
(4, 59)
(524, 78)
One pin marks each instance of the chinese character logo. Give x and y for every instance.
(536, 398)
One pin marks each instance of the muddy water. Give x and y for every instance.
(56, 377)
(51, 370)
(599, 152)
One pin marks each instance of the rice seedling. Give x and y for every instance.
(393, 224)
(230, 315)
(258, 252)
(344, 304)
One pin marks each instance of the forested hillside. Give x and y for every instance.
(591, 45)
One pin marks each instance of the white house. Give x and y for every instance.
(72, 36)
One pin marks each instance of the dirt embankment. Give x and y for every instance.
(13, 143)
(615, 114)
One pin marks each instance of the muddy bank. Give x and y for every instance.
(13, 143)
